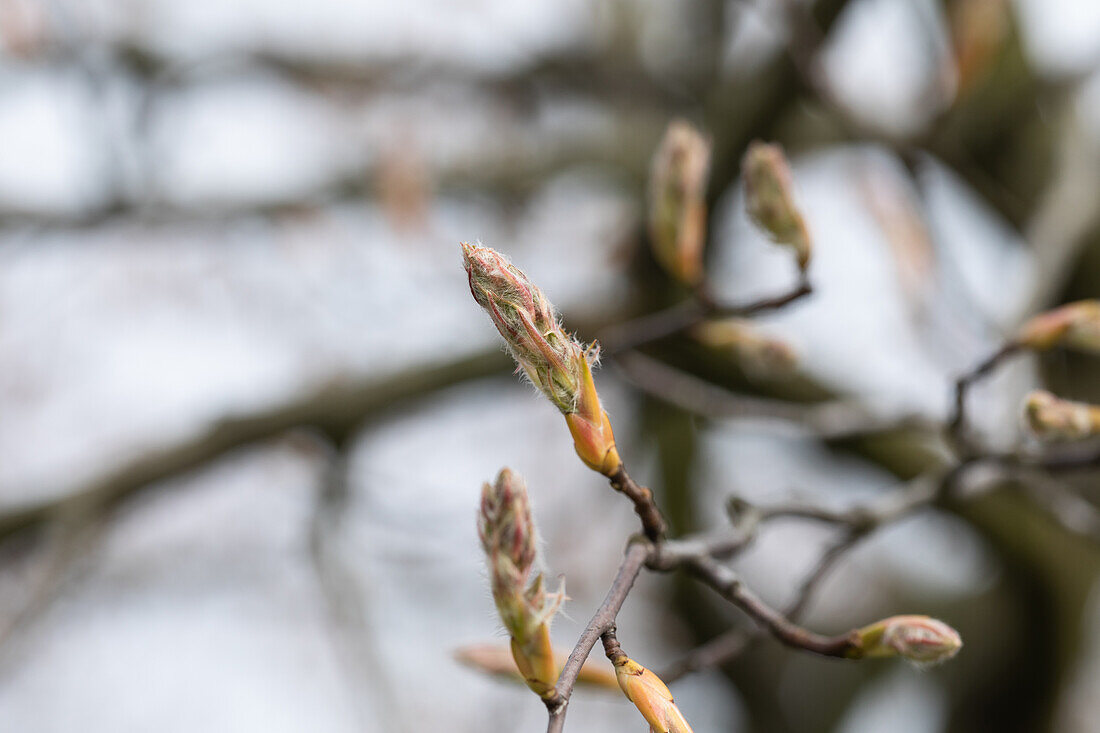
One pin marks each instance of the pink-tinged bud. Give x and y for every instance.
(555, 362)
(758, 353)
(1054, 419)
(1073, 326)
(506, 527)
(508, 537)
(651, 696)
(677, 202)
(769, 199)
(919, 639)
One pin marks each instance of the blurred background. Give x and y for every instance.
(247, 404)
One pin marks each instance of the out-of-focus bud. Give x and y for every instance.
(497, 660)
(919, 639)
(677, 201)
(979, 29)
(507, 533)
(554, 361)
(769, 199)
(651, 696)
(1073, 326)
(1052, 418)
(758, 353)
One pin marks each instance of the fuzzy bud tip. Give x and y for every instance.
(554, 361)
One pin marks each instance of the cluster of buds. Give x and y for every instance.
(769, 199)
(677, 202)
(1052, 418)
(650, 695)
(918, 639)
(758, 353)
(554, 361)
(1073, 326)
(507, 533)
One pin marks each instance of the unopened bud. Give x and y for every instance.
(1073, 326)
(919, 639)
(554, 361)
(769, 199)
(507, 533)
(1052, 418)
(651, 696)
(758, 353)
(677, 201)
(507, 529)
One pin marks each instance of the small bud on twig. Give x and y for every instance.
(650, 695)
(677, 202)
(769, 199)
(919, 639)
(554, 361)
(507, 533)
(1073, 326)
(758, 353)
(1052, 418)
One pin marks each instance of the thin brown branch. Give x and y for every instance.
(602, 621)
(730, 586)
(730, 644)
(653, 523)
(956, 424)
(821, 570)
(834, 420)
(336, 409)
(679, 318)
(713, 653)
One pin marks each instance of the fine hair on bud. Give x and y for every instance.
(529, 324)
(554, 361)
(508, 536)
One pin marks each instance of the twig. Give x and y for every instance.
(956, 425)
(917, 493)
(671, 321)
(342, 592)
(821, 570)
(729, 585)
(602, 620)
(859, 523)
(834, 420)
(713, 653)
(653, 523)
(728, 645)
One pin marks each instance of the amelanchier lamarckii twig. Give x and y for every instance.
(561, 367)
